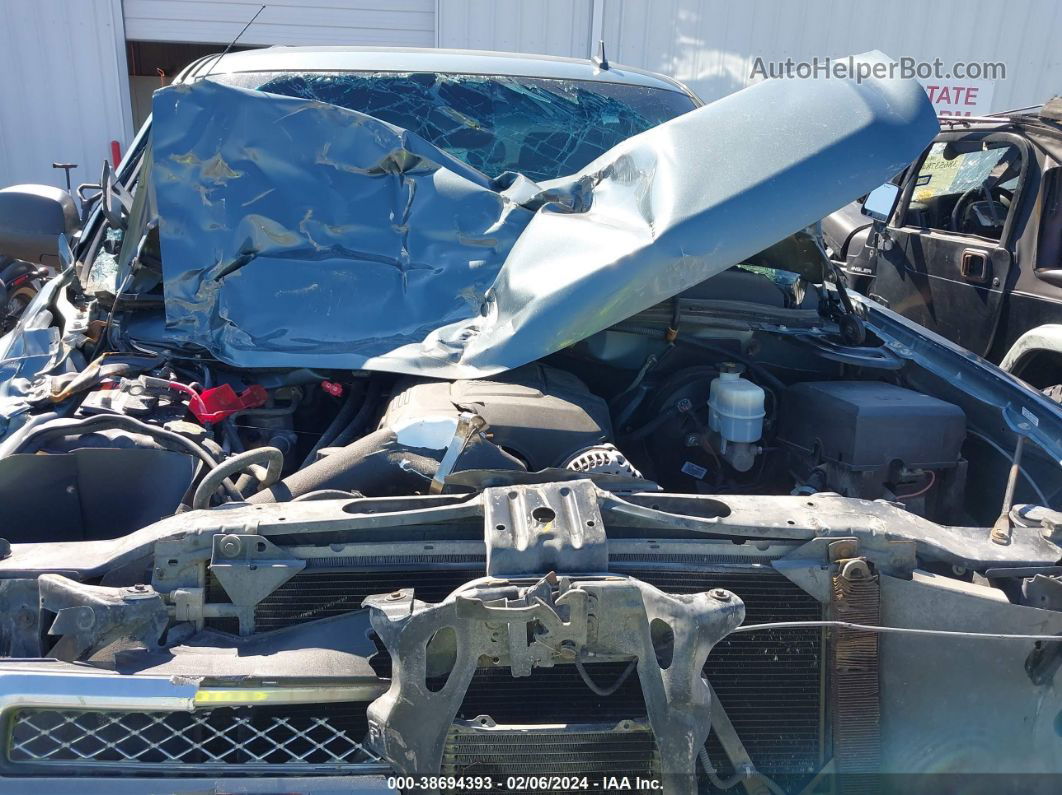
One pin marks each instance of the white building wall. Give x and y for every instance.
(712, 44)
(64, 90)
(552, 27)
(395, 23)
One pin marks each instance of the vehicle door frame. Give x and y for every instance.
(911, 177)
(894, 238)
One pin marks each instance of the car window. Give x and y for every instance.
(542, 128)
(966, 187)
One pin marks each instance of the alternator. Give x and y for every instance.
(602, 459)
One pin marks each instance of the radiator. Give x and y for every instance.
(771, 684)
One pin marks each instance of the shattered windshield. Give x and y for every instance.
(542, 128)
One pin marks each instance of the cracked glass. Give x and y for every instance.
(543, 128)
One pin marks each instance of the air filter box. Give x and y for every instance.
(540, 414)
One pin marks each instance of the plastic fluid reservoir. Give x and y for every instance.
(735, 406)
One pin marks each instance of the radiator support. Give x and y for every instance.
(524, 624)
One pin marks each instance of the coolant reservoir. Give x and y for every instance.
(735, 406)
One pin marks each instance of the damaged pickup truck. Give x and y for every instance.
(439, 421)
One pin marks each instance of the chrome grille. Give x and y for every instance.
(226, 739)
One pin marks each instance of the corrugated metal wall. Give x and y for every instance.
(64, 90)
(711, 44)
(396, 23)
(553, 27)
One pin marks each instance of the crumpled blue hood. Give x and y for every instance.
(300, 234)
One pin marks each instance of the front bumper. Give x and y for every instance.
(120, 733)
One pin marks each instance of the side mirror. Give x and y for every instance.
(881, 202)
(32, 217)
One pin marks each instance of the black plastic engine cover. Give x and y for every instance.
(540, 414)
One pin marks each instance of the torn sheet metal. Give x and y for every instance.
(299, 234)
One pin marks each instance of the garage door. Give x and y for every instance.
(389, 23)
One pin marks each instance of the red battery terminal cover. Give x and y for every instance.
(217, 403)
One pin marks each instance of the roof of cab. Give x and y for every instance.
(411, 59)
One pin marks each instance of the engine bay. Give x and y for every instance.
(708, 411)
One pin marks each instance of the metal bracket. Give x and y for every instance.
(735, 750)
(522, 624)
(249, 568)
(549, 527)
(812, 565)
(468, 424)
(90, 617)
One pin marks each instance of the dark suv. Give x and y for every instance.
(967, 241)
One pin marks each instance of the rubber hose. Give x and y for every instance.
(32, 441)
(326, 494)
(346, 411)
(348, 434)
(270, 456)
(14, 441)
(373, 465)
(653, 424)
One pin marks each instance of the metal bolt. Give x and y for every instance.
(693, 440)
(684, 405)
(1000, 535)
(85, 618)
(230, 546)
(394, 596)
(720, 594)
(139, 592)
(568, 649)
